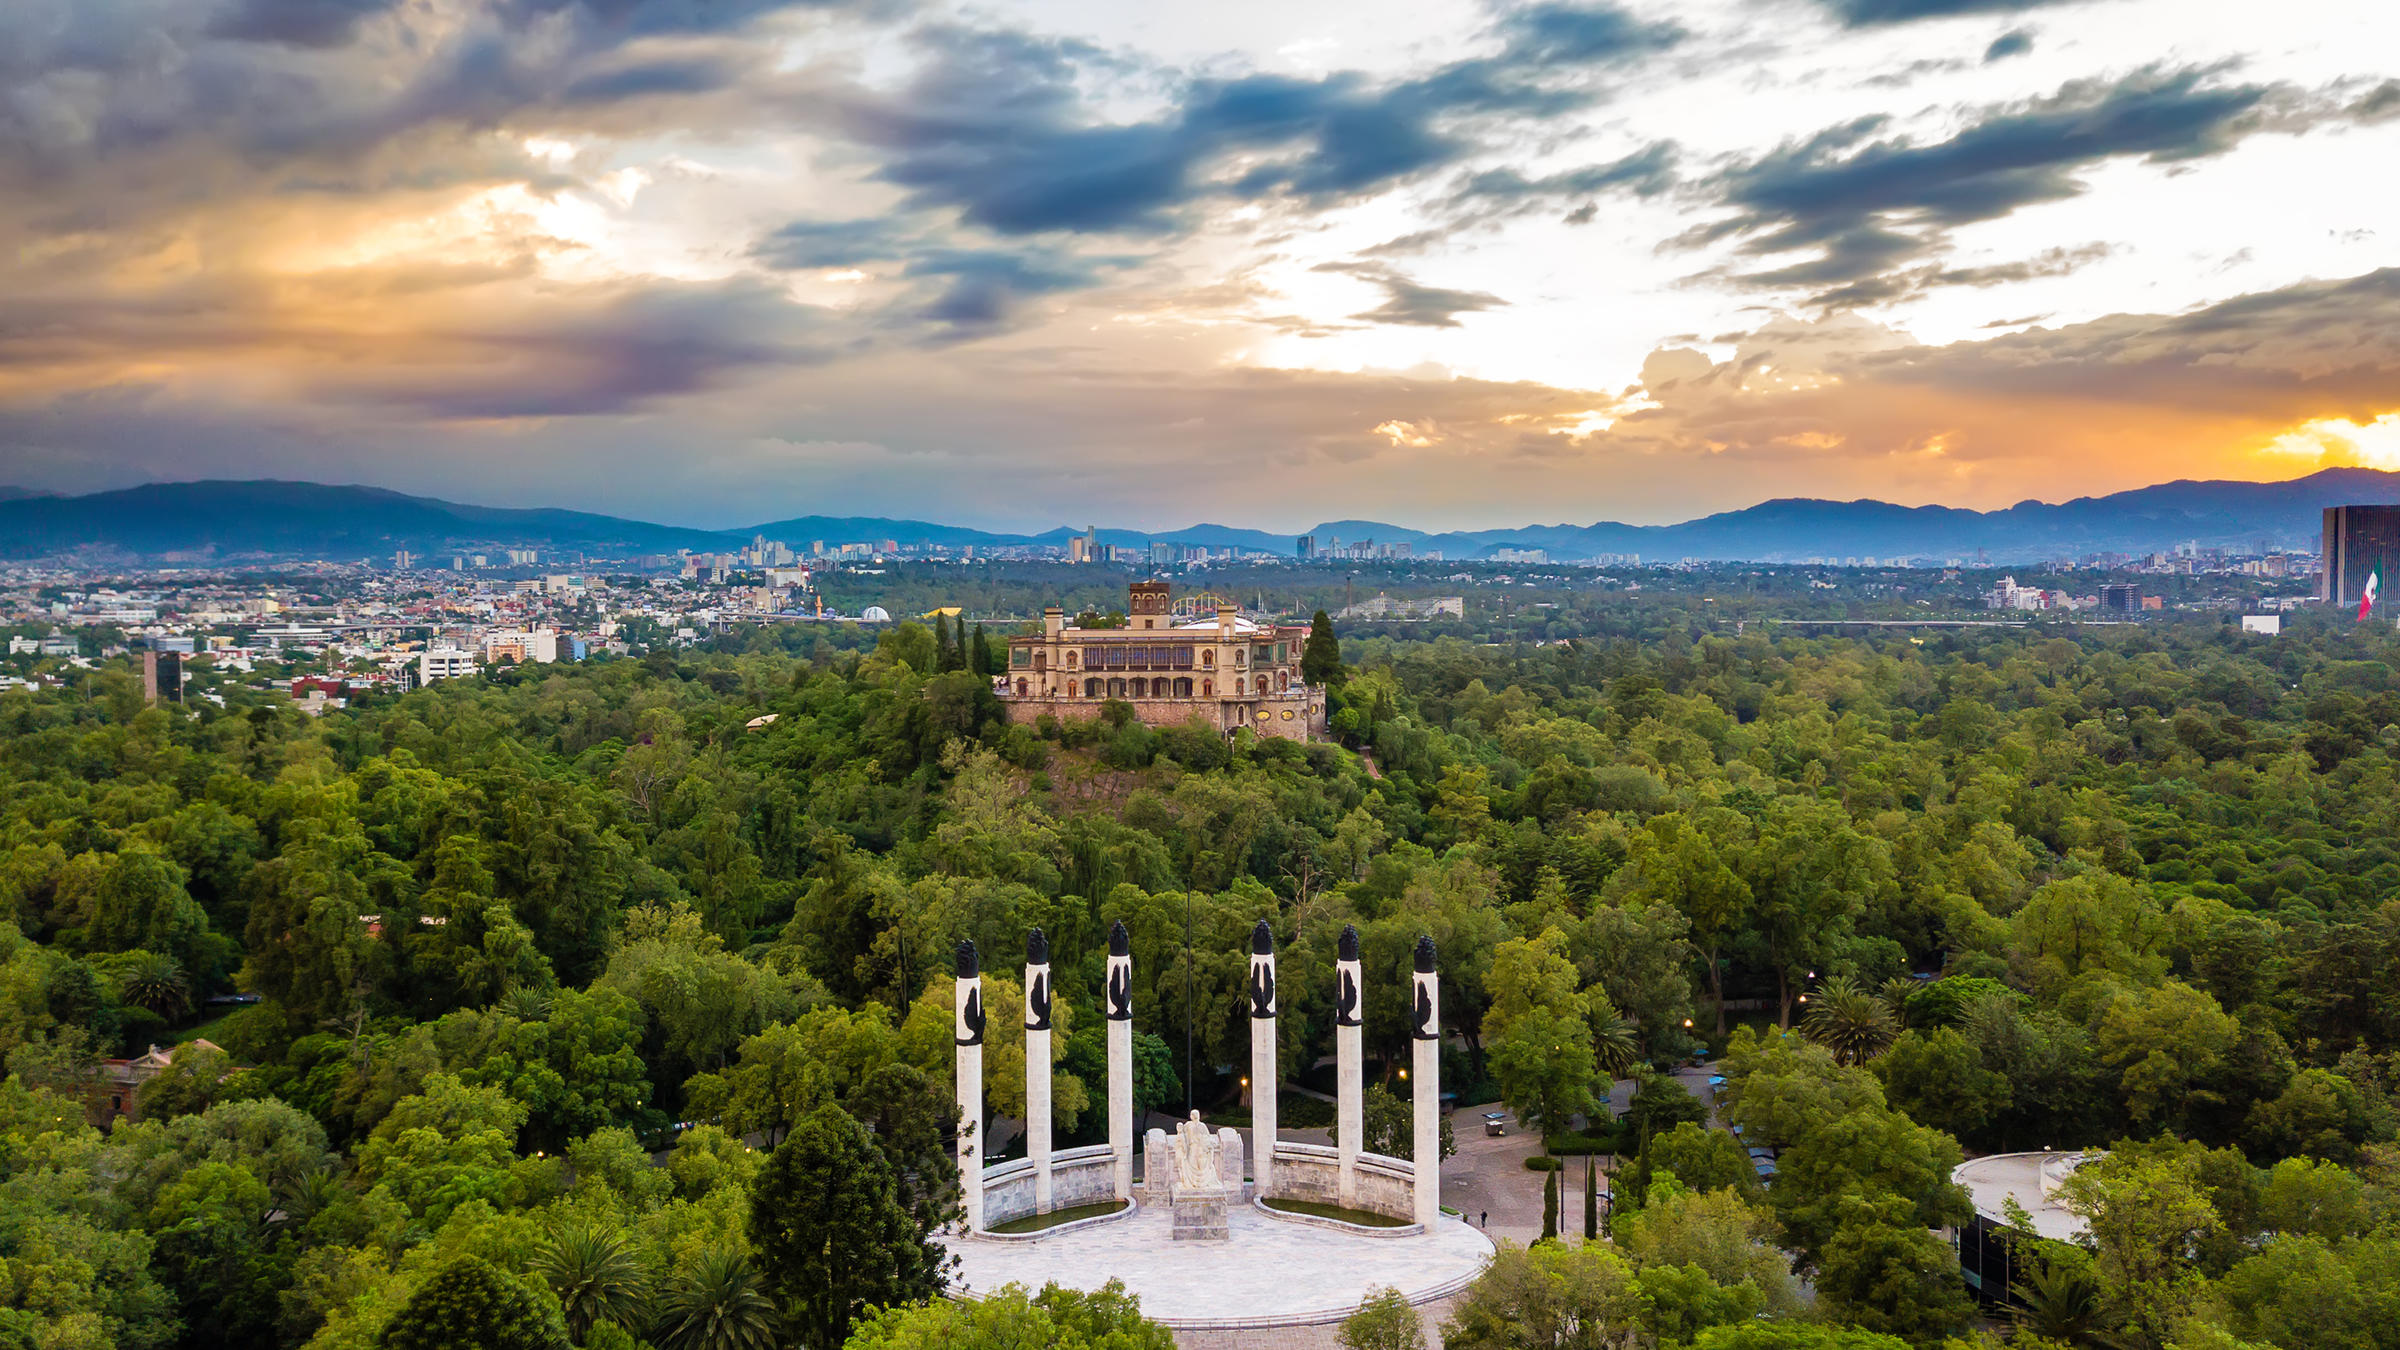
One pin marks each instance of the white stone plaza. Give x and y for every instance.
(1192, 1241)
(1267, 1273)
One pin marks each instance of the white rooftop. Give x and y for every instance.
(2031, 1179)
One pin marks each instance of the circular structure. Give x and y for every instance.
(875, 614)
(1269, 1272)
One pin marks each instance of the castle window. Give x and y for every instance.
(1023, 688)
(1071, 660)
(1091, 688)
(1141, 688)
(1183, 688)
(1116, 688)
(1208, 660)
(1208, 689)
(1018, 656)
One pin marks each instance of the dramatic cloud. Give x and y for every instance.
(1865, 13)
(1018, 262)
(1406, 302)
(995, 124)
(1865, 205)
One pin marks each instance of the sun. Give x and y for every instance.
(2338, 440)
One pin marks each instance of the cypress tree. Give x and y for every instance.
(1550, 1205)
(1591, 1201)
(983, 653)
(1321, 655)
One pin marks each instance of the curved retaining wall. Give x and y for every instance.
(1078, 1176)
(1337, 1225)
(1386, 1186)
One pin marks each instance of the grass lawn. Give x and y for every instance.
(1363, 1218)
(198, 1031)
(1034, 1223)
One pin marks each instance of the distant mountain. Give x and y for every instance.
(306, 520)
(310, 520)
(18, 494)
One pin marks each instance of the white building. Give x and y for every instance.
(444, 663)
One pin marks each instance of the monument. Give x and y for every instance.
(1037, 1065)
(1198, 1192)
(1262, 1057)
(1120, 1057)
(1205, 1243)
(1349, 1071)
(969, 1035)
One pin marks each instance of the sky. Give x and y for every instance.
(1023, 263)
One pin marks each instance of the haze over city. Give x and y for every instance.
(1018, 264)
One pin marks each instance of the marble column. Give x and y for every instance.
(1262, 1059)
(1349, 1071)
(969, 1035)
(1120, 1056)
(1425, 1023)
(1037, 1065)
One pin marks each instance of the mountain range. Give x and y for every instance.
(223, 521)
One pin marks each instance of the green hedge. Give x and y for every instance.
(1538, 1163)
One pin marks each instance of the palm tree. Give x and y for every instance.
(157, 982)
(1844, 1018)
(717, 1305)
(1895, 996)
(2062, 1301)
(598, 1276)
(1616, 1045)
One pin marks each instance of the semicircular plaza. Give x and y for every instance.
(1268, 1272)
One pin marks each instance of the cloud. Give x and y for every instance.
(1867, 13)
(2015, 42)
(1408, 303)
(1645, 173)
(295, 23)
(1891, 287)
(995, 125)
(1865, 205)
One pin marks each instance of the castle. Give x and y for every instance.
(1229, 671)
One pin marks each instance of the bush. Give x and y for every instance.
(1296, 1111)
(1539, 1163)
(1570, 1145)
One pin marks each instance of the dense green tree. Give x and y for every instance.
(1384, 1321)
(468, 1303)
(831, 1235)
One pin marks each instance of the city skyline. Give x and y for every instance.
(1458, 265)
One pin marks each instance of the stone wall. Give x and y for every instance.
(1386, 1186)
(1297, 716)
(1078, 1176)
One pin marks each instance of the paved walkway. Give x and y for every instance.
(1268, 1269)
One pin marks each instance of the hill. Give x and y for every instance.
(273, 519)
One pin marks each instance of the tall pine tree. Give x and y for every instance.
(982, 650)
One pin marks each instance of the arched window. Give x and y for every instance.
(1183, 688)
(1283, 681)
(1208, 659)
(1091, 688)
(1241, 657)
(1023, 688)
(1141, 688)
(1208, 689)
(1071, 660)
(1116, 688)
(1041, 660)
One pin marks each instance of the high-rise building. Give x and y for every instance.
(1306, 548)
(2120, 598)
(2360, 540)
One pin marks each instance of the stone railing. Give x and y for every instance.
(1386, 1186)
(1078, 1176)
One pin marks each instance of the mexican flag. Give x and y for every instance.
(2368, 594)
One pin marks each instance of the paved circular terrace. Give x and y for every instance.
(1268, 1273)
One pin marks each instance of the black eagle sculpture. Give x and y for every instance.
(1120, 977)
(1345, 984)
(1422, 1014)
(1037, 981)
(1262, 973)
(972, 1015)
